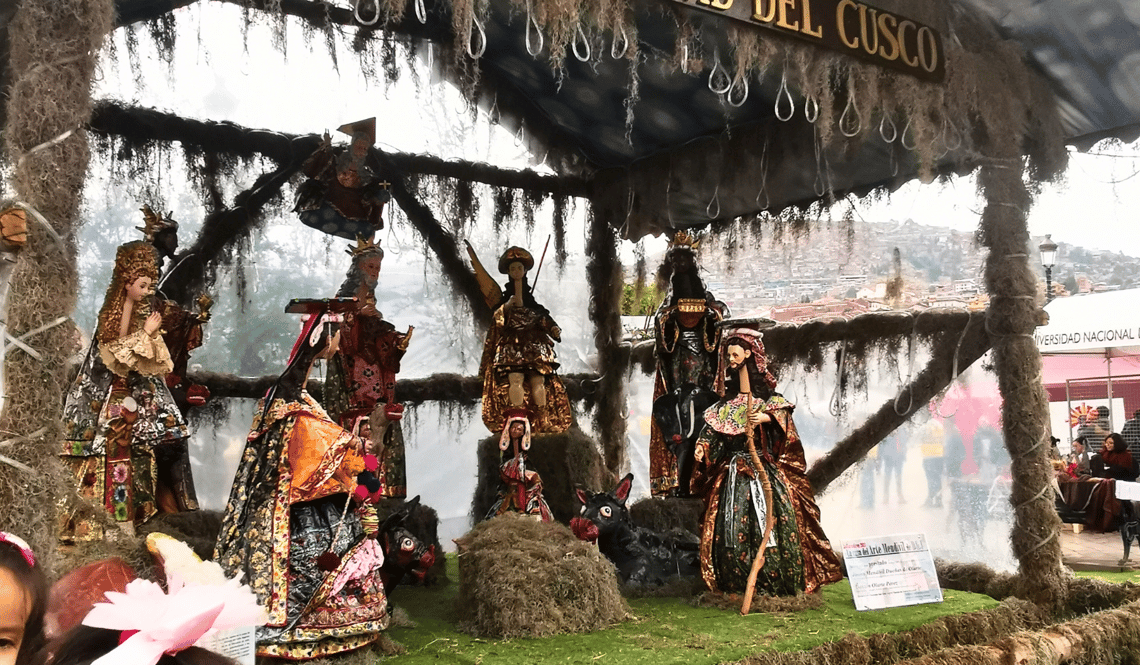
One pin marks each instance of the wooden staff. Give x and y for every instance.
(770, 516)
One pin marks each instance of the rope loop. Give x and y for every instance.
(532, 22)
(580, 33)
(902, 137)
(858, 119)
(811, 108)
(476, 25)
(743, 81)
(421, 11)
(717, 89)
(614, 52)
(784, 93)
(375, 11)
(713, 213)
(883, 124)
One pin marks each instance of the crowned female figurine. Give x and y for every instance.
(518, 364)
(125, 436)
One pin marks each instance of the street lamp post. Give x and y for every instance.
(1048, 251)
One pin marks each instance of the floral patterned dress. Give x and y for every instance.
(285, 510)
(115, 458)
(798, 557)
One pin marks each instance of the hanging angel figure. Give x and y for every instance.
(518, 364)
(344, 195)
(125, 436)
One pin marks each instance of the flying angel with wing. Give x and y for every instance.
(518, 365)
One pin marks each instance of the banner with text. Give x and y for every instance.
(855, 28)
(891, 571)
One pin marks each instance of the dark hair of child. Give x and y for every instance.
(32, 579)
(83, 645)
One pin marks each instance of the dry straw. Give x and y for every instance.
(53, 50)
(519, 577)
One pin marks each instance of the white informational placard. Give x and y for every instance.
(891, 571)
(239, 644)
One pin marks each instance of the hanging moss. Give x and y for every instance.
(505, 211)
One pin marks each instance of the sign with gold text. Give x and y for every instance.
(891, 571)
(855, 28)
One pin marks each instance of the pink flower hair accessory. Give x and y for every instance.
(166, 623)
(21, 545)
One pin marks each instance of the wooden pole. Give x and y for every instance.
(766, 483)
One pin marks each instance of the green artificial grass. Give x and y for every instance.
(1115, 578)
(665, 630)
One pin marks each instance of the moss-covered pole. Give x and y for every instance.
(1011, 320)
(604, 273)
(54, 46)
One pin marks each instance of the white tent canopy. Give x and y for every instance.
(1097, 324)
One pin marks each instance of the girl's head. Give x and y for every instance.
(23, 600)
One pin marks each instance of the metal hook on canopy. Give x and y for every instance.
(883, 128)
(375, 12)
(421, 11)
(783, 92)
(477, 25)
(532, 22)
(902, 137)
(843, 118)
(743, 81)
(709, 210)
(614, 52)
(712, 77)
(577, 54)
(811, 108)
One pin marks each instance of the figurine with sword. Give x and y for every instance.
(519, 364)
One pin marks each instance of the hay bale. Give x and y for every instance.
(667, 513)
(522, 578)
(565, 462)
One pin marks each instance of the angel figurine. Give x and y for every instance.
(344, 196)
(125, 435)
(518, 364)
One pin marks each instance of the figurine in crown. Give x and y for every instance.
(182, 327)
(687, 336)
(344, 195)
(125, 436)
(518, 363)
(362, 374)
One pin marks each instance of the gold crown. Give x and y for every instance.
(683, 239)
(363, 246)
(155, 223)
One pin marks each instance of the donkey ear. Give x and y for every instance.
(582, 496)
(621, 492)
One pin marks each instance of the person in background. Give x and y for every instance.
(23, 601)
(893, 454)
(1095, 426)
(1131, 434)
(1080, 456)
(931, 444)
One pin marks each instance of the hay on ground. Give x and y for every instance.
(522, 578)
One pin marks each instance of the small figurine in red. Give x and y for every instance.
(362, 374)
(521, 490)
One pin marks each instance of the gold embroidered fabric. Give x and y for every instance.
(137, 352)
